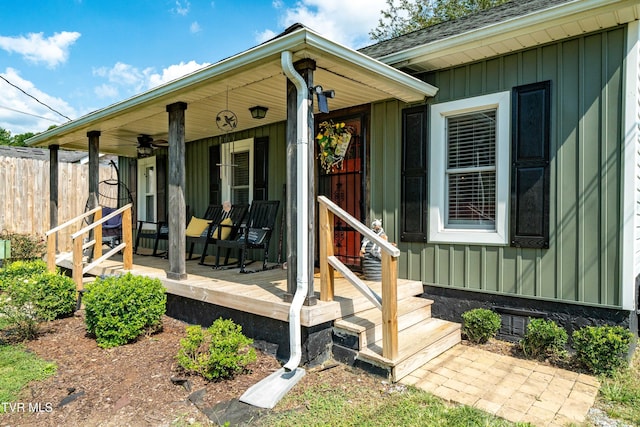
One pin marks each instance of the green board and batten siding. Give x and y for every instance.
(197, 163)
(582, 263)
(197, 170)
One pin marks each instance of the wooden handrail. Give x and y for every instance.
(72, 221)
(126, 246)
(389, 264)
(359, 227)
(101, 221)
(51, 236)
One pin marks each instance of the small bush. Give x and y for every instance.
(219, 352)
(480, 324)
(118, 309)
(26, 247)
(544, 338)
(602, 349)
(30, 299)
(19, 270)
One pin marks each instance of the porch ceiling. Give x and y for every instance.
(254, 77)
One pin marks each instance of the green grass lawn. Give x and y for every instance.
(620, 395)
(354, 405)
(17, 368)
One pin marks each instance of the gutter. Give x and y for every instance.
(562, 14)
(302, 203)
(293, 42)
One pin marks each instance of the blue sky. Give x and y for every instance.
(78, 56)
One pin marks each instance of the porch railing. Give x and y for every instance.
(79, 246)
(388, 302)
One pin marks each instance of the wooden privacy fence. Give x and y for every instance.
(24, 195)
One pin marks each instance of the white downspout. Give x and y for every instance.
(302, 203)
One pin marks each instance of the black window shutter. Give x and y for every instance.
(260, 168)
(161, 186)
(414, 175)
(530, 133)
(214, 175)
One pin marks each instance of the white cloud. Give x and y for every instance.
(20, 113)
(346, 22)
(36, 48)
(195, 27)
(121, 75)
(265, 35)
(182, 8)
(106, 91)
(173, 72)
(132, 80)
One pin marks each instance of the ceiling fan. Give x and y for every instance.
(146, 145)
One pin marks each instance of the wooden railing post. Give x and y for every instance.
(127, 236)
(326, 250)
(77, 263)
(388, 301)
(51, 252)
(389, 306)
(97, 234)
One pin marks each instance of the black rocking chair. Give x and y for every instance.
(255, 233)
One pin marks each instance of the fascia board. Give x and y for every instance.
(296, 41)
(557, 15)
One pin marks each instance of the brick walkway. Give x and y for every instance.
(511, 388)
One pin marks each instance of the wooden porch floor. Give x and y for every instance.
(260, 293)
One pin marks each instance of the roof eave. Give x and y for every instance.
(294, 41)
(505, 29)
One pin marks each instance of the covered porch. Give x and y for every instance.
(286, 75)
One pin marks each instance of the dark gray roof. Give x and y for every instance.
(511, 9)
(64, 156)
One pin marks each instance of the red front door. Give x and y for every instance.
(344, 185)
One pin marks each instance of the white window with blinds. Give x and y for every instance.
(236, 172)
(469, 166)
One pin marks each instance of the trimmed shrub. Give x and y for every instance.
(544, 338)
(118, 309)
(20, 270)
(26, 246)
(480, 324)
(602, 349)
(218, 352)
(28, 300)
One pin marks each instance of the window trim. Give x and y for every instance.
(439, 232)
(226, 150)
(142, 166)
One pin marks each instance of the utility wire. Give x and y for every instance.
(36, 99)
(28, 114)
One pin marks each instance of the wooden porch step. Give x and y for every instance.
(420, 337)
(418, 344)
(367, 325)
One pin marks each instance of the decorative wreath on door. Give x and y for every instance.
(333, 140)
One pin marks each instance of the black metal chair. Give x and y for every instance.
(255, 233)
(223, 227)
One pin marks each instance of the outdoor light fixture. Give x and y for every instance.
(144, 148)
(322, 95)
(258, 112)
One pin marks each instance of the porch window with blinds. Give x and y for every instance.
(240, 185)
(471, 170)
